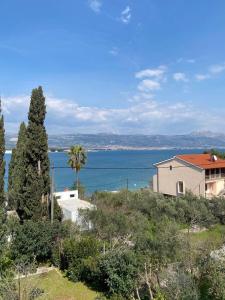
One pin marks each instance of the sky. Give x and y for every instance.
(115, 66)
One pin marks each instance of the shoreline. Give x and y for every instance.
(124, 148)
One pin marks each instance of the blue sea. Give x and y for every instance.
(108, 179)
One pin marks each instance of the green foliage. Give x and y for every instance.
(77, 159)
(119, 272)
(139, 246)
(5, 262)
(32, 241)
(11, 201)
(76, 252)
(216, 152)
(192, 210)
(2, 161)
(80, 187)
(212, 279)
(58, 214)
(181, 285)
(218, 209)
(35, 241)
(37, 184)
(17, 173)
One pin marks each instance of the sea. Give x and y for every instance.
(109, 170)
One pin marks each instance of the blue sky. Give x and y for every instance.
(141, 66)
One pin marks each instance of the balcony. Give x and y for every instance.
(215, 174)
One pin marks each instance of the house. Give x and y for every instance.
(202, 174)
(72, 207)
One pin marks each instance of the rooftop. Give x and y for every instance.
(203, 161)
(74, 205)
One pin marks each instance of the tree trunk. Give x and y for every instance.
(137, 292)
(77, 182)
(147, 282)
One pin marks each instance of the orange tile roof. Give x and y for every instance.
(202, 160)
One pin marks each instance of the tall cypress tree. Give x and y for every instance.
(2, 154)
(37, 175)
(17, 172)
(11, 203)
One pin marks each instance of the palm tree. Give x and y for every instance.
(77, 159)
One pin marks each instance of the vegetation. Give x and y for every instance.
(2, 161)
(216, 152)
(37, 186)
(29, 178)
(17, 173)
(77, 160)
(56, 286)
(140, 245)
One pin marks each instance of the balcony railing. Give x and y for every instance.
(215, 176)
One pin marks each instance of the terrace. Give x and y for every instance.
(214, 174)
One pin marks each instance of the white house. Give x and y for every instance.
(72, 206)
(65, 195)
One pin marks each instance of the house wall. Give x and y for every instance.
(193, 178)
(154, 181)
(67, 195)
(219, 186)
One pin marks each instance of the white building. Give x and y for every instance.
(72, 206)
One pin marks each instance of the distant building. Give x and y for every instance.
(72, 206)
(202, 174)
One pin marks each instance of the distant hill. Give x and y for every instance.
(204, 140)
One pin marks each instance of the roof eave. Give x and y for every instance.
(187, 162)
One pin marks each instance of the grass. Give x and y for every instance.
(214, 236)
(57, 287)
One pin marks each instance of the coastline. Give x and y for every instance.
(127, 148)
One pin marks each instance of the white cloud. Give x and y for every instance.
(114, 51)
(145, 116)
(95, 5)
(212, 72)
(180, 77)
(216, 69)
(157, 73)
(125, 16)
(186, 60)
(201, 77)
(147, 85)
(191, 61)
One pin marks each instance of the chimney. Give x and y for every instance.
(213, 158)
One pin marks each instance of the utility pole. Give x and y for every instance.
(127, 188)
(52, 195)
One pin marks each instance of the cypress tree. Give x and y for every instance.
(11, 203)
(37, 174)
(2, 161)
(17, 173)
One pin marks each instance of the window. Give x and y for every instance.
(171, 168)
(72, 195)
(180, 186)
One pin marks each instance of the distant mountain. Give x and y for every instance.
(204, 140)
(208, 134)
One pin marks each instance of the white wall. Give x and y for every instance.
(193, 178)
(66, 195)
(155, 187)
